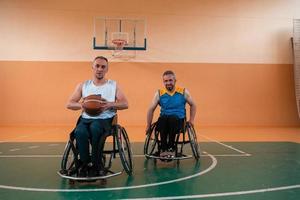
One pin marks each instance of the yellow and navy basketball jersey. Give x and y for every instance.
(172, 103)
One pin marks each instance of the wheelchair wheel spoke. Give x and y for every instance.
(193, 141)
(124, 150)
(151, 140)
(68, 163)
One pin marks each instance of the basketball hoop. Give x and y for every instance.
(119, 44)
(119, 40)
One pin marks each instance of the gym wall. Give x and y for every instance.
(235, 58)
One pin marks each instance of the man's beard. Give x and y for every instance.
(170, 88)
(99, 77)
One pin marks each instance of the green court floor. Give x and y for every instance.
(237, 170)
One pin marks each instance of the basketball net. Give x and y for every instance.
(118, 45)
(119, 53)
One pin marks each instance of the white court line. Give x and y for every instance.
(205, 154)
(30, 156)
(226, 155)
(136, 156)
(229, 155)
(222, 194)
(52, 145)
(211, 167)
(13, 140)
(33, 147)
(228, 146)
(28, 135)
(16, 149)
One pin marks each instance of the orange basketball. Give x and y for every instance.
(93, 104)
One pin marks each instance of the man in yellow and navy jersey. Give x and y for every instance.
(172, 101)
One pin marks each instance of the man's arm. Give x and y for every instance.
(151, 110)
(192, 104)
(121, 102)
(73, 102)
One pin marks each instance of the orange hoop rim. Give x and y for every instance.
(119, 42)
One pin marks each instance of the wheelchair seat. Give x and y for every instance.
(120, 145)
(152, 146)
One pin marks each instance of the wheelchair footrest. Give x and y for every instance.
(167, 158)
(76, 178)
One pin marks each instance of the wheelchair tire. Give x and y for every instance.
(124, 149)
(69, 160)
(193, 141)
(151, 140)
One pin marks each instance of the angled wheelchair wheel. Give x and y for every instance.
(193, 140)
(151, 140)
(124, 149)
(70, 160)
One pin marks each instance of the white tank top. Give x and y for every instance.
(107, 91)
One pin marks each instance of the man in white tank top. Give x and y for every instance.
(95, 129)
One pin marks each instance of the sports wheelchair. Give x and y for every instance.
(120, 145)
(152, 146)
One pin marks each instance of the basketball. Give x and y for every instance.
(93, 104)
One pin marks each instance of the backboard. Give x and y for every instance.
(109, 30)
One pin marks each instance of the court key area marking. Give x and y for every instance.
(211, 167)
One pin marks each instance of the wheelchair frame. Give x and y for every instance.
(121, 146)
(153, 143)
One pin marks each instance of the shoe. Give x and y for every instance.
(83, 171)
(102, 172)
(93, 172)
(170, 154)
